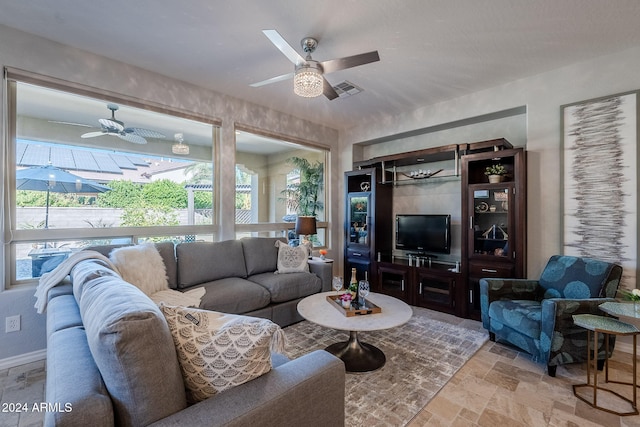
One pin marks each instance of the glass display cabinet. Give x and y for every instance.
(368, 223)
(494, 240)
(491, 221)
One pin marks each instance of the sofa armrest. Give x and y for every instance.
(306, 391)
(497, 289)
(324, 270)
(562, 341)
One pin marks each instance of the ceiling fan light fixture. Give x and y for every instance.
(179, 147)
(308, 81)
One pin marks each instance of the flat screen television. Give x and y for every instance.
(424, 233)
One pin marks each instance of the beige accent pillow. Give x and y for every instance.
(217, 351)
(142, 266)
(292, 259)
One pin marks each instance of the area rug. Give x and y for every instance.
(422, 356)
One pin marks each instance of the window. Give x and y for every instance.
(270, 185)
(87, 169)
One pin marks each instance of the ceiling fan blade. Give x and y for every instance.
(349, 61)
(273, 80)
(93, 134)
(111, 125)
(69, 123)
(132, 137)
(284, 47)
(145, 133)
(328, 90)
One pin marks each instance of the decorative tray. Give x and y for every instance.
(355, 309)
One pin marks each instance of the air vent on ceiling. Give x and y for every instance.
(346, 89)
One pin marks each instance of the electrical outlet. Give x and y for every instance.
(12, 323)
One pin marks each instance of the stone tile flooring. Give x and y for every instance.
(22, 384)
(501, 387)
(498, 387)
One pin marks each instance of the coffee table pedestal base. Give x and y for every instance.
(358, 356)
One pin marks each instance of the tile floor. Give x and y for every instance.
(502, 387)
(499, 386)
(22, 384)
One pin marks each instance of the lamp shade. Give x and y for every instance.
(305, 225)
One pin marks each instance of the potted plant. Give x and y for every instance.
(495, 173)
(345, 299)
(304, 196)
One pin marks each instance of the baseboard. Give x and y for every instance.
(23, 359)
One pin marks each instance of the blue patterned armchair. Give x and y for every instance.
(535, 315)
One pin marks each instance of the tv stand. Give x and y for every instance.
(429, 284)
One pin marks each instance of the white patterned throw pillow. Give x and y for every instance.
(292, 259)
(218, 351)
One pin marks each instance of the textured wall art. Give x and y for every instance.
(600, 181)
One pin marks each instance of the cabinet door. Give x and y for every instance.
(358, 218)
(436, 290)
(480, 270)
(363, 269)
(394, 280)
(491, 222)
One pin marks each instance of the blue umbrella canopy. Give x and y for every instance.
(52, 179)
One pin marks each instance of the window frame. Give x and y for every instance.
(12, 235)
(280, 229)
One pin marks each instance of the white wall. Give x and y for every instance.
(34, 54)
(542, 95)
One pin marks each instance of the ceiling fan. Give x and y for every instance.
(309, 80)
(115, 127)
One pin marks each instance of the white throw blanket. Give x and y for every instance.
(53, 278)
(185, 299)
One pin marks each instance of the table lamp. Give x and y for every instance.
(306, 226)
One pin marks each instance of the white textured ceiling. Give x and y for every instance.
(430, 50)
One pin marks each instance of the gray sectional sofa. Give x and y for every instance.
(111, 359)
(238, 276)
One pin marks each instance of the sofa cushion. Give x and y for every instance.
(62, 313)
(260, 254)
(292, 259)
(133, 349)
(219, 351)
(78, 386)
(167, 252)
(234, 295)
(201, 262)
(142, 266)
(287, 287)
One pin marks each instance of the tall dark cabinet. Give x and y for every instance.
(368, 225)
(493, 219)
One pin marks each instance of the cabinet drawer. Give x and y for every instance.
(487, 270)
(358, 253)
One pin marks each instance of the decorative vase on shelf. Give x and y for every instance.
(494, 179)
(636, 308)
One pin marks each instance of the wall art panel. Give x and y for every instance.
(600, 138)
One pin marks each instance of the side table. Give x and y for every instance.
(607, 326)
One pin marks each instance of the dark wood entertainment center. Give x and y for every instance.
(492, 217)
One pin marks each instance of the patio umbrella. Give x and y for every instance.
(52, 179)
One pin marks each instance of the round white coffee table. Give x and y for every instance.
(357, 356)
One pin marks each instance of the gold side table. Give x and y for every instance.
(607, 326)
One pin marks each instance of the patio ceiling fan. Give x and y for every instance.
(115, 127)
(308, 75)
